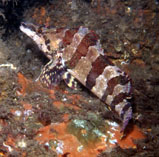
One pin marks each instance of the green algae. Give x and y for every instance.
(88, 131)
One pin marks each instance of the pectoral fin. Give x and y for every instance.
(52, 73)
(70, 80)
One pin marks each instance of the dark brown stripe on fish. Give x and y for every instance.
(45, 37)
(122, 80)
(69, 34)
(47, 41)
(82, 49)
(98, 67)
(125, 109)
(48, 47)
(119, 98)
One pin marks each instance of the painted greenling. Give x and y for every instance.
(76, 54)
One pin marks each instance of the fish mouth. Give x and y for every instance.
(29, 26)
(24, 24)
(30, 30)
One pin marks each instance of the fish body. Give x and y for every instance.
(76, 54)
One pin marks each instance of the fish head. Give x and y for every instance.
(48, 40)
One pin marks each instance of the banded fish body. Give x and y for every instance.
(76, 54)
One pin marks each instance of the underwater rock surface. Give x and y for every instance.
(37, 121)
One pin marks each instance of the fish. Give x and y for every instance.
(76, 55)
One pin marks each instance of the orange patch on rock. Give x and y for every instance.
(3, 123)
(28, 86)
(52, 94)
(2, 154)
(75, 98)
(10, 141)
(23, 82)
(70, 143)
(66, 117)
(71, 146)
(60, 104)
(43, 11)
(27, 106)
(45, 134)
(128, 141)
(139, 62)
(72, 106)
